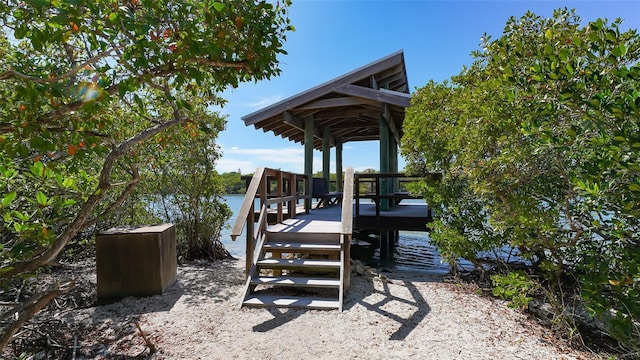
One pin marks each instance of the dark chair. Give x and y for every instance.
(323, 195)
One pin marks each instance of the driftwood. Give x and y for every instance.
(152, 348)
(27, 310)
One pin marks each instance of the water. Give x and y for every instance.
(237, 247)
(413, 252)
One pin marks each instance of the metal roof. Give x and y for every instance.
(350, 106)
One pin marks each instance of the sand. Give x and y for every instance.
(395, 315)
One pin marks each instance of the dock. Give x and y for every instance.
(298, 254)
(294, 245)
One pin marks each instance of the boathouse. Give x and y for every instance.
(298, 230)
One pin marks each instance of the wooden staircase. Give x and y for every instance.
(290, 273)
(300, 263)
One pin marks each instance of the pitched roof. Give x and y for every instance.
(350, 105)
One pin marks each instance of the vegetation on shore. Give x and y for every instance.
(538, 143)
(105, 104)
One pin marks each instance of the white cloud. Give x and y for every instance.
(226, 164)
(247, 160)
(264, 101)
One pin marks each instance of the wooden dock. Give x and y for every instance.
(298, 246)
(288, 249)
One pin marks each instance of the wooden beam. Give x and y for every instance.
(393, 78)
(308, 155)
(339, 183)
(294, 102)
(290, 119)
(384, 164)
(342, 113)
(336, 102)
(386, 114)
(381, 95)
(326, 154)
(374, 83)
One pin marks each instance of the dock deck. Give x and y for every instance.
(408, 216)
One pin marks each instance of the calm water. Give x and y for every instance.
(413, 252)
(236, 248)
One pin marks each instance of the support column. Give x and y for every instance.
(339, 181)
(384, 161)
(308, 153)
(393, 165)
(326, 155)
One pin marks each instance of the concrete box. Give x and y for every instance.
(135, 261)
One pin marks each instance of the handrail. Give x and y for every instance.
(247, 203)
(347, 202)
(346, 230)
(261, 187)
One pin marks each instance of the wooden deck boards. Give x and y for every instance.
(401, 210)
(405, 216)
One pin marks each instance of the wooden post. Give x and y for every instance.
(326, 155)
(250, 234)
(384, 244)
(308, 153)
(384, 162)
(393, 168)
(339, 182)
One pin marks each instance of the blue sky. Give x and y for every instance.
(335, 37)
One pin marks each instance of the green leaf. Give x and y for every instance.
(21, 216)
(37, 169)
(40, 3)
(68, 202)
(634, 187)
(8, 198)
(113, 17)
(218, 6)
(68, 182)
(21, 32)
(548, 34)
(41, 198)
(569, 69)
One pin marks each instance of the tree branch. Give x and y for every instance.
(80, 222)
(10, 74)
(30, 308)
(123, 196)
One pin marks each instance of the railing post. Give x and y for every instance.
(293, 211)
(378, 200)
(250, 240)
(357, 189)
(279, 186)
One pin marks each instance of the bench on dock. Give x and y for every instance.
(323, 195)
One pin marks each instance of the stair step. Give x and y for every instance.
(298, 263)
(292, 301)
(296, 281)
(300, 247)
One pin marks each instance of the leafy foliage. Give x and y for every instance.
(516, 287)
(88, 85)
(234, 183)
(538, 143)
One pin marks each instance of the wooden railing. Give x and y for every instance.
(346, 231)
(272, 187)
(385, 190)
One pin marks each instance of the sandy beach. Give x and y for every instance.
(390, 315)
